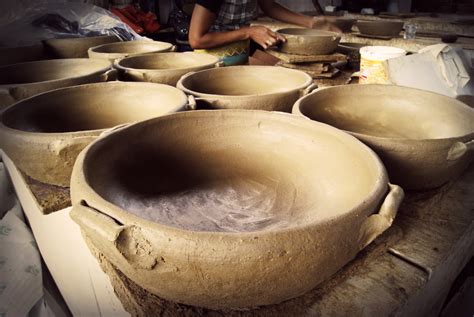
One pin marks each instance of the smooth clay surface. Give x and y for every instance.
(163, 68)
(422, 137)
(308, 41)
(112, 51)
(44, 134)
(240, 209)
(247, 87)
(23, 80)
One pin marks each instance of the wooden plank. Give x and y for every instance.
(313, 67)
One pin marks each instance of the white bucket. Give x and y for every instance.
(372, 63)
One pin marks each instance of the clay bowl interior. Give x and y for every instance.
(92, 107)
(164, 61)
(247, 171)
(132, 47)
(76, 47)
(344, 24)
(245, 81)
(309, 41)
(380, 28)
(49, 70)
(388, 111)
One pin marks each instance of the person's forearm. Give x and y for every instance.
(214, 39)
(278, 12)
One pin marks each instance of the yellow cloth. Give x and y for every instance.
(230, 54)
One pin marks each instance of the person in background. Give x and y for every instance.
(223, 28)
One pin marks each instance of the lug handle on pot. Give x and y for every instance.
(191, 105)
(458, 150)
(309, 89)
(109, 75)
(173, 48)
(219, 64)
(377, 223)
(95, 222)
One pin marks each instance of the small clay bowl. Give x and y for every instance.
(308, 41)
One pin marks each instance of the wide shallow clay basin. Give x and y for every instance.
(112, 51)
(76, 47)
(308, 41)
(23, 80)
(44, 134)
(163, 68)
(423, 138)
(230, 204)
(380, 28)
(247, 87)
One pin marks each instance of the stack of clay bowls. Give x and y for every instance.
(230, 208)
(423, 138)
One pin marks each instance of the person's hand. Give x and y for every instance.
(324, 23)
(264, 36)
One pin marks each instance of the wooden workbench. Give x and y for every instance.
(407, 271)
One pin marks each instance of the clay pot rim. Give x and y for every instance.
(309, 81)
(312, 33)
(118, 65)
(164, 47)
(361, 21)
(48, 135)
(107, 66)
(94, 200)
(408, 142)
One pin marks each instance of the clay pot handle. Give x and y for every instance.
(173, 48)
(109, 75)
(458, 150)
(191, 105)
(6, 97)
(94, 223)
(308, 89)
(219, 64)
(377, 223)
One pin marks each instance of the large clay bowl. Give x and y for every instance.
(20, 81)
(423, 138)
(163, 68)
(76, 47)
(308, 41)
(44, 134)
(112, 51)
(379, 28)
(247, 87)
(344, 24)
(240, 208)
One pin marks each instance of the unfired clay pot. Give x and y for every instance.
(240, 208)
(248, 87)
(44, 134)
(112, 51)
(163, 68)
(308, 41)
(344, 24)
(423, 138)
(20, 81)
(379, 27)
(76, 47)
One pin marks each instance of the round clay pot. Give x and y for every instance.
(239, 209)
(76, 47)
(308, 41)
(163, 68)
(112, 51)
(247, 87)
(379, 28)
(44, 134)
(20, 81)
(423, 138)
(344, 24)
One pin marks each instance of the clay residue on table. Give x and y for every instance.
(51, 198)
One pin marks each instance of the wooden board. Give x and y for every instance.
(313, 67)
(293, 58)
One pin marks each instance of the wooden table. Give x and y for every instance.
(407, 271)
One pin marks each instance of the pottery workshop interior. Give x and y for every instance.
(242, 158)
